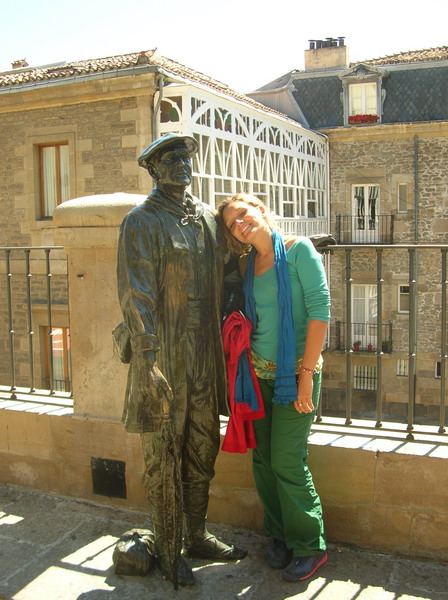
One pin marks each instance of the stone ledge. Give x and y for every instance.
(101, 210)
(362, 435)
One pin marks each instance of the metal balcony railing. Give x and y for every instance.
(36, 277)
(405, 259)
(34, 282)
(354, 229)
(365, 337)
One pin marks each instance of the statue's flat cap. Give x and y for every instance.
(163, 143)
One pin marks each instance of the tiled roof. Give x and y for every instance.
(29, 75)
(412, 56)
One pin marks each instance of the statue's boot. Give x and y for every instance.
(199, 543)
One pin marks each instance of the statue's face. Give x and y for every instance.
(173, 166)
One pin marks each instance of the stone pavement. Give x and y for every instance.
(56, 548)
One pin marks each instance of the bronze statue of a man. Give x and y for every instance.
(170, 266)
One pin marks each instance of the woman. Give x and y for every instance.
(287, 300)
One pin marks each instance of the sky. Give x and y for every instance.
(243, 43)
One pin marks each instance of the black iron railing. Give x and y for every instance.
(34, 283)
(423, 334)
(354, 229)
(364, 337)
(35, 278)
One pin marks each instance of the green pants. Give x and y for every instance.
(292, 508)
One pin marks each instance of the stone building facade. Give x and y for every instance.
(387, 124)
(76, 130)
(390, 157)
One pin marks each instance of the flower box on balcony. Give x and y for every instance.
(357, 119)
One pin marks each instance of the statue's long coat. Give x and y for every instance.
(160, 255)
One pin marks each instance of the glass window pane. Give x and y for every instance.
(372, 304)
(58, 354)
(404, 298)
(402, 197)
(312, 210)
(370, 98)
(356, 100)
(288, 210)
(49, 190)
(65, 180)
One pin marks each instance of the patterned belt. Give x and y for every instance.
(265, 369)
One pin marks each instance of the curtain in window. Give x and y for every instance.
(373, 197)
(49, 180)
(359, 196)
(362, 99)
(356, 107)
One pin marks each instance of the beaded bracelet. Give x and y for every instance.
(302, 368)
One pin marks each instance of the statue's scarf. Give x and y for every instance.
(189, 210)
(285, 390)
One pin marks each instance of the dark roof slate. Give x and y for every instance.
(416, 95)
(320, 100)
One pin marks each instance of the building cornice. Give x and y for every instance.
(353, 133)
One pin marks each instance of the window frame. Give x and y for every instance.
(58, 176)
(40, 136)
(363, 85)
(364, 331)
(400, 209)
(66, 357)
(402, 367)
(400, 294)
(362, 74)
(365, 221)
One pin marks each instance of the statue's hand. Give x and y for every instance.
(153, 384)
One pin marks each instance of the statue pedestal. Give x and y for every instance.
(88, 229)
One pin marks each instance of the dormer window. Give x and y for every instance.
(363, 99)
(363, 95)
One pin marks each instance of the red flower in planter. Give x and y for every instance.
(353, 119)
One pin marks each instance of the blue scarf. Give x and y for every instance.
(285, 390)
(244, 387)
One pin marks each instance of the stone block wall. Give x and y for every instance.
(387, 155)
(106, 125)
(389, 499)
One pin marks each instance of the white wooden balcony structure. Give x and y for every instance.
(245, 148)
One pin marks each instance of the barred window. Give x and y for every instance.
(364, 377)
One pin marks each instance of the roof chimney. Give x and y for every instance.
(329, 53)
(19, 64)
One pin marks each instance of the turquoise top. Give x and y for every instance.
(310, 299)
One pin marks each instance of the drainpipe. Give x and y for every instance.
(155, 116)
(416, 213)
(413, 308)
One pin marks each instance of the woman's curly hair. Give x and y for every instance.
(235, 246)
